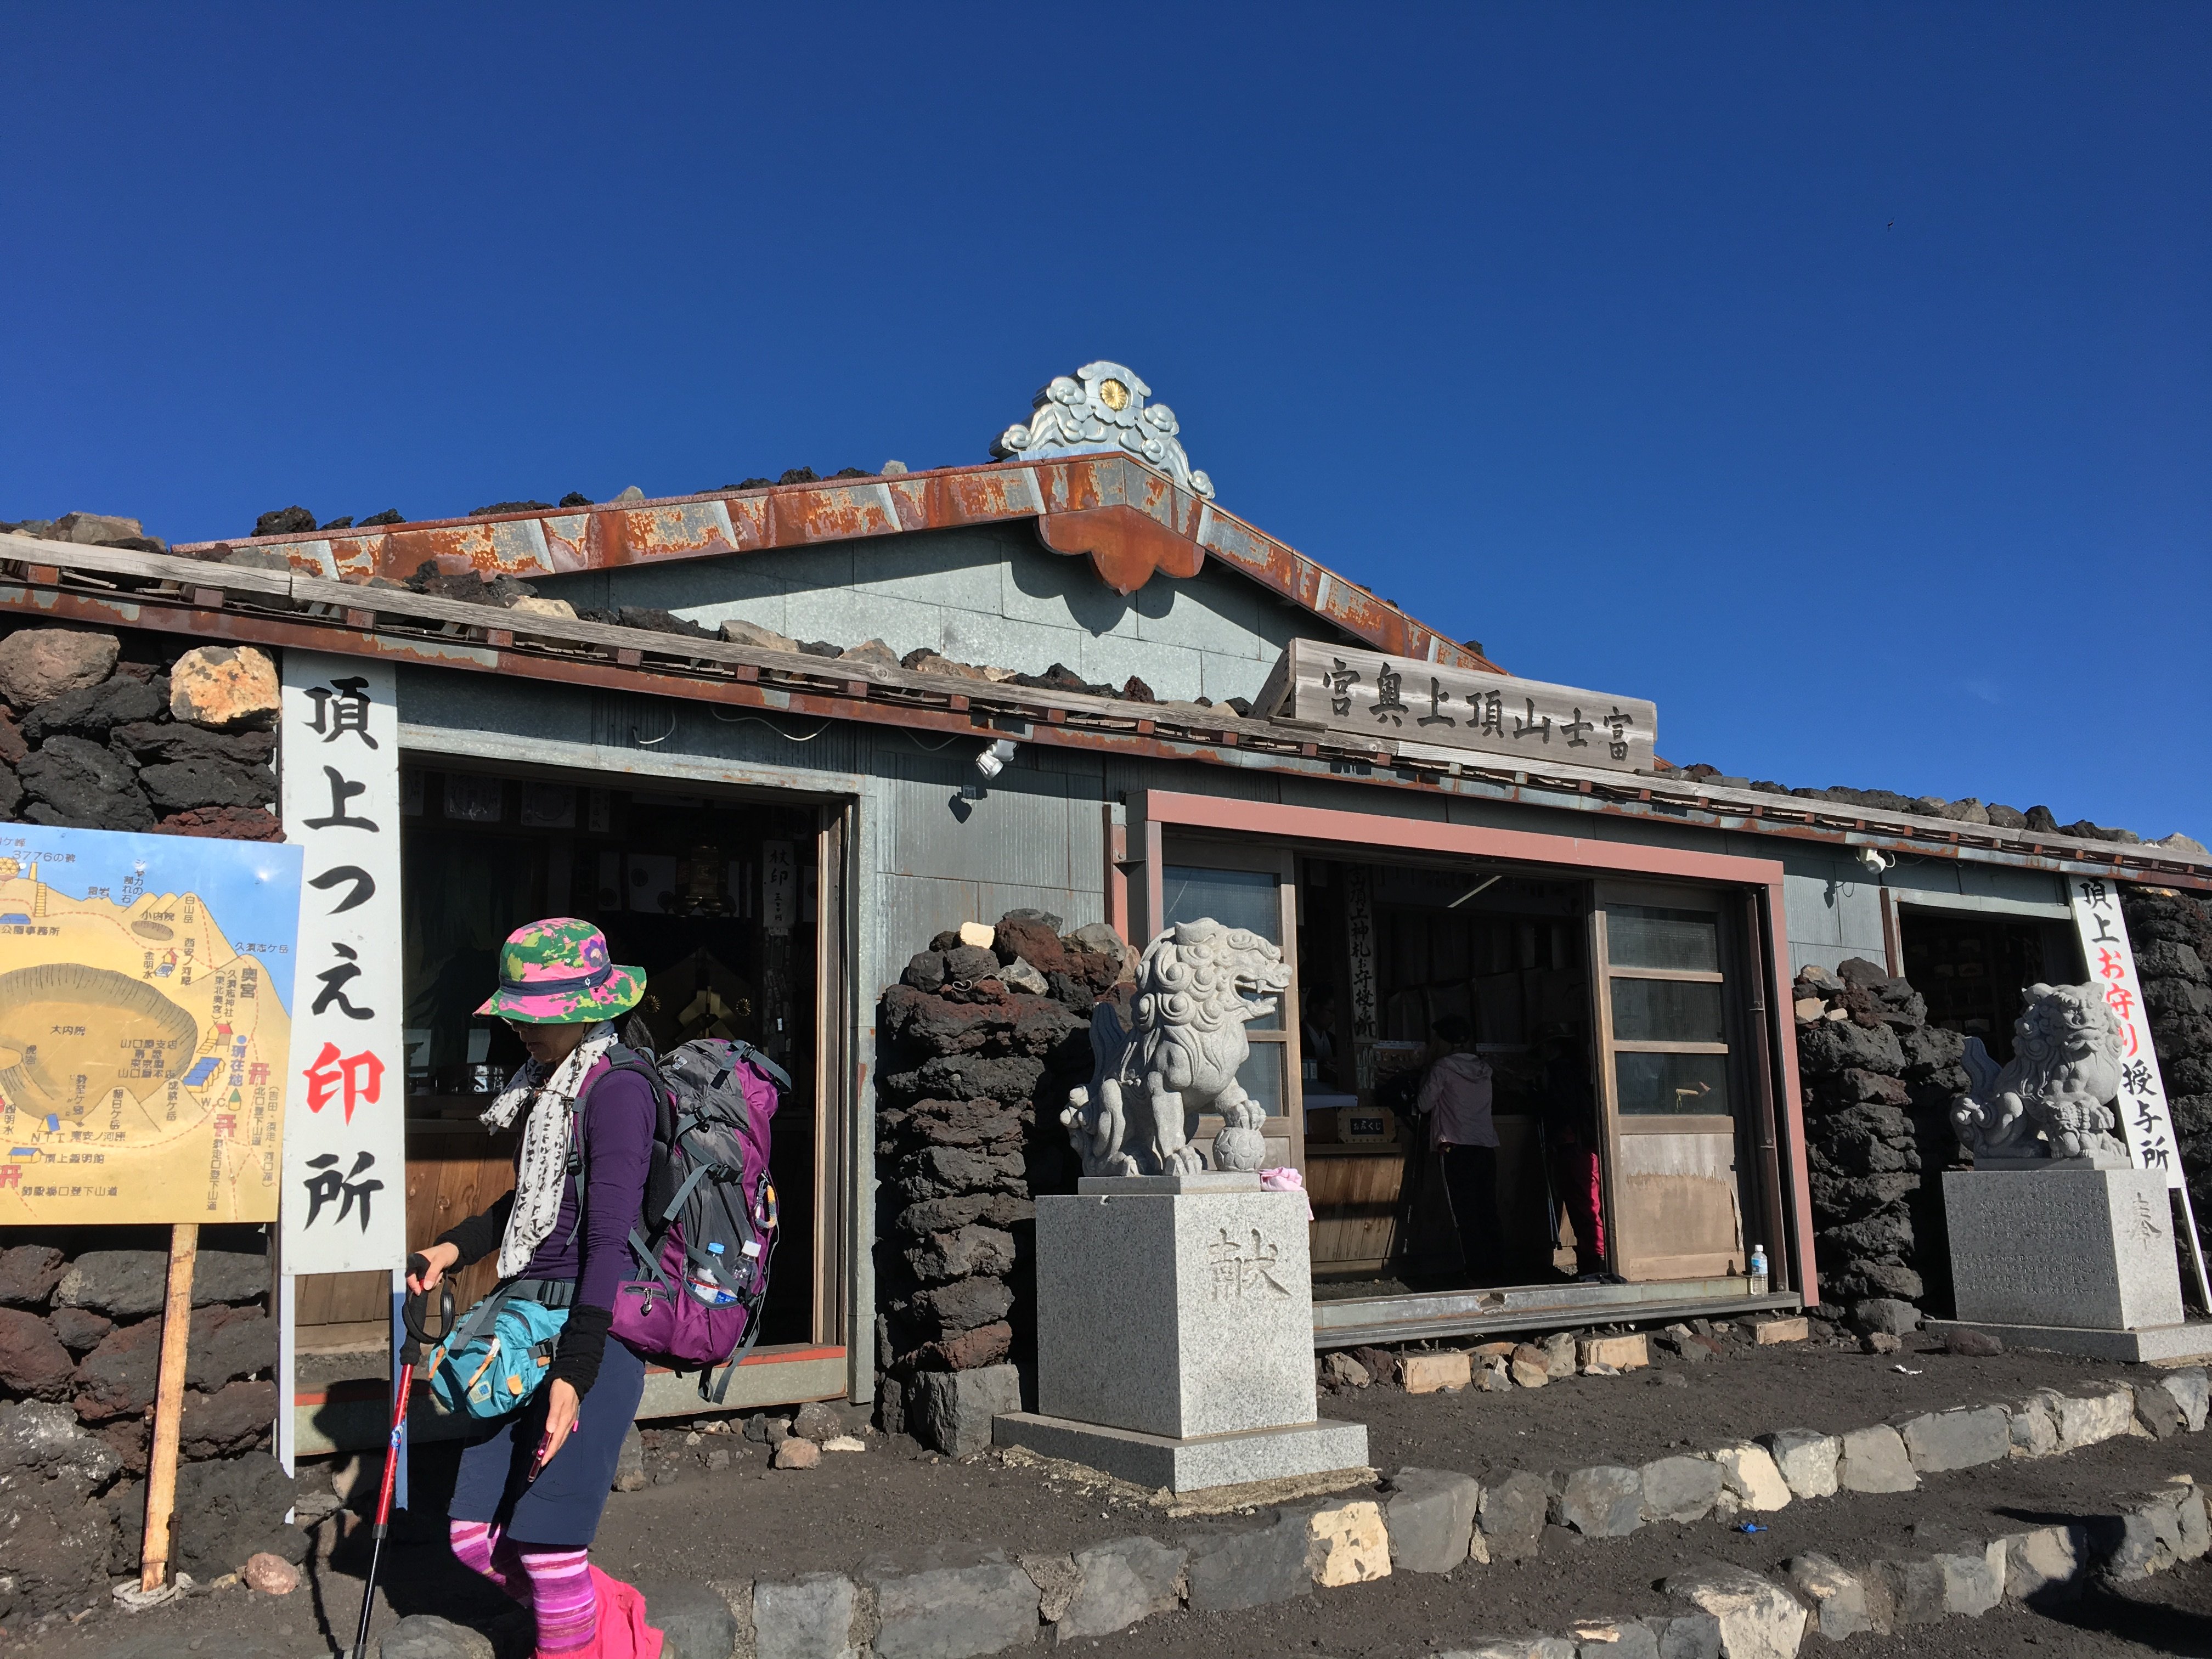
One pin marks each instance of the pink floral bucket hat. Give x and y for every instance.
(556, 972)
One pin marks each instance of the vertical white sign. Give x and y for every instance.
(343, 1208)
(2145, 1124)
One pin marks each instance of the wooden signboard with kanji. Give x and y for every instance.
(1406, 700)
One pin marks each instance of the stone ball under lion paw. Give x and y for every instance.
(1244, 1150)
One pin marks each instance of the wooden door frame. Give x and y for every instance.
(1740, 1051)
(833, 1022)
(1777, 1091)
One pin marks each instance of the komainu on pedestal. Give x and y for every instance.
(2054, 1101)
(1172, 1053)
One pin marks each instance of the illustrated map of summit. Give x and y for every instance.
(145, 1025)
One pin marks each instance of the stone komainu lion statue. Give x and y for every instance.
(2065, 1075)
(1196, 985)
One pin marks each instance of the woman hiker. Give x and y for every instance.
(527, 1501)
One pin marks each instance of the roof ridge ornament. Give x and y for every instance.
(1101, 410)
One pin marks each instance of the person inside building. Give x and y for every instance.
(1455, 1099)
(526, 1503)
(1570, 1109)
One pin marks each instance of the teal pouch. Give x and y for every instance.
(497, 1357)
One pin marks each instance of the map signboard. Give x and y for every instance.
(145, 1025)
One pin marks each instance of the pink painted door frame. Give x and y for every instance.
(1151, 811)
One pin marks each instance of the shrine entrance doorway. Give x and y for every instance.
(731, 901)
(1620, 1001)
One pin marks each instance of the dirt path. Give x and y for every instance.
(1636, 1418)
(2171, 1615)
(730, 1524)
(1408, 1617)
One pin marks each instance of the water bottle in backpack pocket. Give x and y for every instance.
(704, 1248)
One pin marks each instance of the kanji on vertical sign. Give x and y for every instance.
(2146, 1120)
(340, 762)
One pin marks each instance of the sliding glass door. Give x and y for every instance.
(1670, 1077)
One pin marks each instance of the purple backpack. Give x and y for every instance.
(702, 1250)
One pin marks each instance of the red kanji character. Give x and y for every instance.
(2122, 1001)
(361, 1076)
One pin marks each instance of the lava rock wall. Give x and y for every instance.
(99, 731)
(121, 731)
(980, 1046)
(1877, 1081)
(79, 1351)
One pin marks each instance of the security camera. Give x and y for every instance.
(1876, 862)
(993, 761)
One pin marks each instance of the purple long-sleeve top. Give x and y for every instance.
(617, 1127)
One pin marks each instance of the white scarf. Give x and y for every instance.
(541, 1171)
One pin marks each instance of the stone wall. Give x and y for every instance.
(1877, 1081)
(2172, 933)
(131, 732)
(104, 731)
(979, 1043)
(79, 1350)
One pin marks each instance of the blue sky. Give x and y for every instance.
(1838, 377)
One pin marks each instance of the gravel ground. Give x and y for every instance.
(1749, 1391)
(2171, 1614)
(1404, 1617)
(746, 1521)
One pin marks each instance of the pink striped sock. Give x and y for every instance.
(484, 1549)
(562, 1596)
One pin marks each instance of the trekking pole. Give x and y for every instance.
(410, 1353)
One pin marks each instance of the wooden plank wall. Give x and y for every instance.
(452, 1173)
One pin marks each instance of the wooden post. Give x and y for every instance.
(168, 1406)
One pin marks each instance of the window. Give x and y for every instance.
(1252, 899)
(1663, 980)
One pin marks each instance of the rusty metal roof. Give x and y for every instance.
(1130, 520)
(107, 588)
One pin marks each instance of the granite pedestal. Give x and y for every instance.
(2078, 1259)
(1175, 1335)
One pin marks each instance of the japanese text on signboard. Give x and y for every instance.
(2146, 1122)
(1409, 701)
(345, 1153)
(144, 985)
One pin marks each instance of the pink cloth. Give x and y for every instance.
(1456, 1097)
(581, 1613)
(622, 1631)
(1286, 1180)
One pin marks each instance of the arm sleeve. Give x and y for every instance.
(480, 1235)
(1432, 1091)
(618, 1153)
